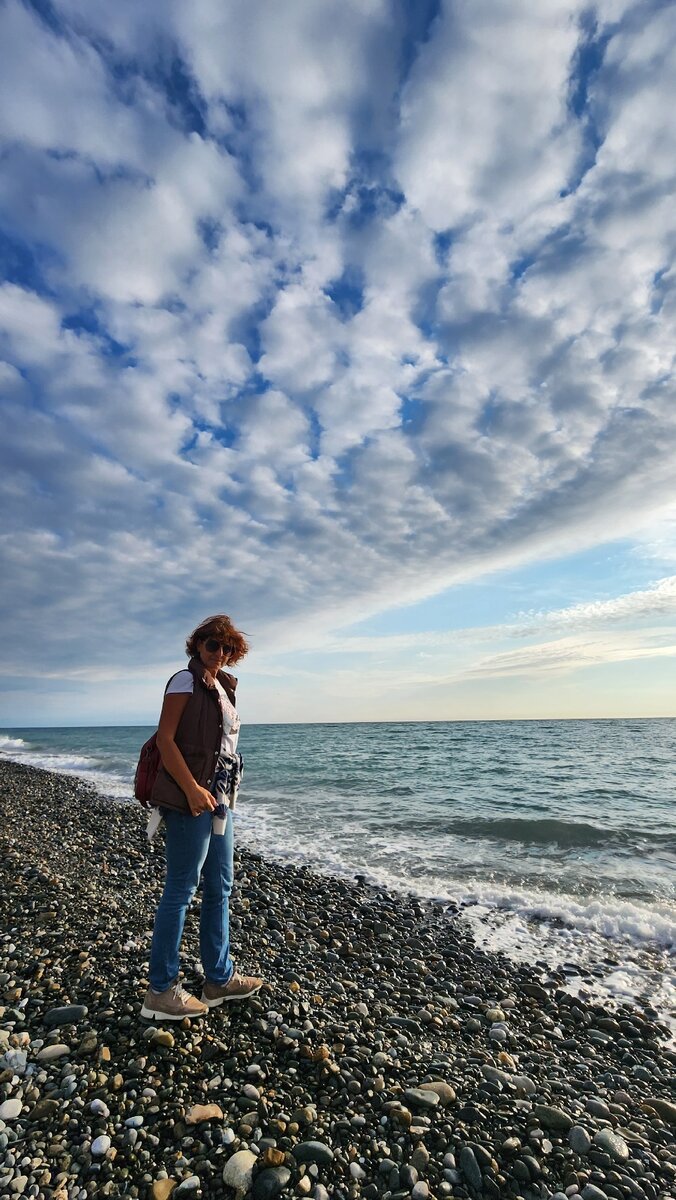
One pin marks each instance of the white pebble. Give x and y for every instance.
(101, 1145)
(49, 1053)
(10, 1110)
(98, 1106)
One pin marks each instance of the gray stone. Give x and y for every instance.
(15, 1060)
(238, 1170)
(417, 1098)
(186, 1187)
(271, 1182)
(613, 1144)
(579, 1140)
(101, 1145)
(49, 1053)
(591, 1192)
(523, 1084)
(70, 1014)
(312, 1152)
(470, 1167)
(552, 1117)
(597, 1108)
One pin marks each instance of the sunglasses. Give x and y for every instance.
(213, 644)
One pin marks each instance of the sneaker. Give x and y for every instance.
(172, 1005)
(239, 987)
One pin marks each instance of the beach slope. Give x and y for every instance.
(387, 1056)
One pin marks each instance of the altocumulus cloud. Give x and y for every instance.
(312, 308)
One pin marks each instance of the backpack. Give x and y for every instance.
(149, 763)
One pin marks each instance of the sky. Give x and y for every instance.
(353, 319)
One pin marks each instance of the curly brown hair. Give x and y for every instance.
(220, 627)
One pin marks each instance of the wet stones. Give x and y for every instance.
(470, 1168)
(552, 1117)
(613, 1144)
(579, 1140)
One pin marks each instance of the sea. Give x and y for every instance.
(557, 839)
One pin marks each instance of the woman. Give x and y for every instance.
(196, 790)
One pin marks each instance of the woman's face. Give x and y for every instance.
(214, 653)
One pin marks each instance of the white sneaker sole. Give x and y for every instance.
(156, 1014)
(229, 999)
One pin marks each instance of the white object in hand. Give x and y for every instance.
(154, 821)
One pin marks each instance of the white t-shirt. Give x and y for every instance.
(182, 684)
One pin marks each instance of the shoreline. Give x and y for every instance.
(370, 995)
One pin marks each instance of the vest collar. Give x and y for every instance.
(198, 669)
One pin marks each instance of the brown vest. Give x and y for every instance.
(198, 736)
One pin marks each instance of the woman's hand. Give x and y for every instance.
(200, 800)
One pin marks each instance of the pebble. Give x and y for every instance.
(470, 1167)
(664, 1109)
(15, 1061)
(10, 1109)
(44, 1108)
(579, 1140)
(613, 1144)
(591, 1192)
(444, 1091)
(163, 1188)
(187, 1187)
(163, 1037)
(417, 1098)
(271, 1182)
(70, 1014)
(101, 1145)
(552, 1117)
(312, 1152)
(238, 1170)
(51, 1053)
(204, 1112)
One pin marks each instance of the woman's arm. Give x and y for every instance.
(199, 799)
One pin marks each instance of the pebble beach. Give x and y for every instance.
(387, 1056)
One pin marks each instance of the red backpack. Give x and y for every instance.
(149, 763)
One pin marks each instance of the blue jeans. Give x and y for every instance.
(192, 850)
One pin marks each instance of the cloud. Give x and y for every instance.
(313, 311)
(574, 653)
